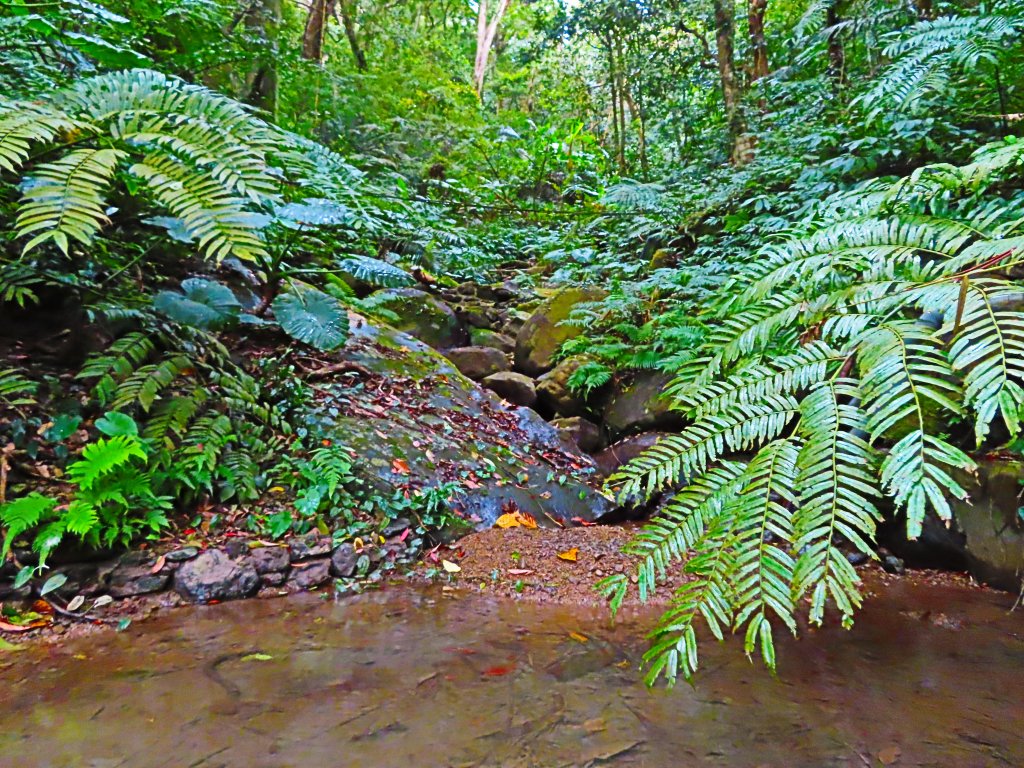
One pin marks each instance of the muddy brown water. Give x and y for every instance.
(930, 676)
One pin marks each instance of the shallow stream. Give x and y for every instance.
(930, 676)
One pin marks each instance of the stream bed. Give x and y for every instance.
(930, 676)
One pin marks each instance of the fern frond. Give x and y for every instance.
(15, 389)
(64, 198)
(22, 514)
(103, 457)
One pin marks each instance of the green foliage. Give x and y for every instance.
(833, 365)
(312, 317)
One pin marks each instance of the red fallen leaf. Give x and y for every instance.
(41, 606)
(400, 467)
(497, 671)
(405, 534)
(581, 521)
(159, 564)
(188, 532)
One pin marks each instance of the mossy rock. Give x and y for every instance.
(543, 334)
(425, 317)
(637, 404)
(554, 397)
(482, 337)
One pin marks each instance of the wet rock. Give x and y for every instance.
(892, 564)
(544, 333)
(554, 397)
(614, 456)
(442, 425)
(270, 559)
(395, 527)
(128, 581)
(637, 404)
(482, 337)
(310, 545)
(344, 560)
(237, 547)
(424, 317)
(274, 579)
(517, 388)
(856, 558)
(586, 434)
(181, 555)
(82, 579)
(477, 362)
(478, 316)
(311, 574)
(215, 576)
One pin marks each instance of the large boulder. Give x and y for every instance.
(421, 315)
(554, 397)
(215, 576)
(637, 404)
(482, 337)
(586, 434)
(431, 425)
(543, 334)
(624, 451)
(477, 362)
(517, 388)
(986, 535)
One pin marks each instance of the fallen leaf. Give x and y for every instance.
(6, 646)
(400, 467)
(890, 755)
(159, 564)
(594, 725)
(450, 567)
(76, 602)
(571, 555)
(497, 671)
(508, 520)
(526, 520)
(579, 638)
(519, 571)
(257, 657)
(581, 521)
(5, 627)
(102, 600)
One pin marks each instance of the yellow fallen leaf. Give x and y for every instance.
(526, 520)
(450, 567)
(508, 520)
(579, 638)
(572, 555)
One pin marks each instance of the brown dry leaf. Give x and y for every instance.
(526, 520)
(159, 564)
(594, 725)
(890, 755)
(519, 571)
(579, 638)
(400, 467)
(571, 555)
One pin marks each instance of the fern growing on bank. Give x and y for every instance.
(834, 377)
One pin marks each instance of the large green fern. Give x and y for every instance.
(834, 376)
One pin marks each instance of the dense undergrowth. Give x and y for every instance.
(823, 253)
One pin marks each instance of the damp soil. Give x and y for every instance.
(431, 677)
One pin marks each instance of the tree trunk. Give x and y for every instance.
(613, 79)
(758, 43)
(724, 38)
(316, 27)
(264, 18)
(924, 9)
(836, 51)
(486, 30)
(349, 25)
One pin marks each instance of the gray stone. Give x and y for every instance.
(310, 574)
(237, 547)
(544, 333)
(637, 404)
(517, 388)
(343, 561)
(310, 545)
(614, 456)
(477, 362)
(128, 581)
(554, 397)
(424, 317)
(270, 559)
(215, 576)
(181, 555)
(394, 527)
(586, 434)
(274, 579)
(482, 337)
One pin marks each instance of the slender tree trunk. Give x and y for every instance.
(316, 27)
(620, 85)
(264, 18)
(613, 90)
(925, 10)
(731, 96)
(638, 115)
(486, 30)
(758, 44)
(349, 25)
(836, 51)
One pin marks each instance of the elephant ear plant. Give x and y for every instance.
(829, 381)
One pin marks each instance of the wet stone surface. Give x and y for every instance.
(408, 678)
